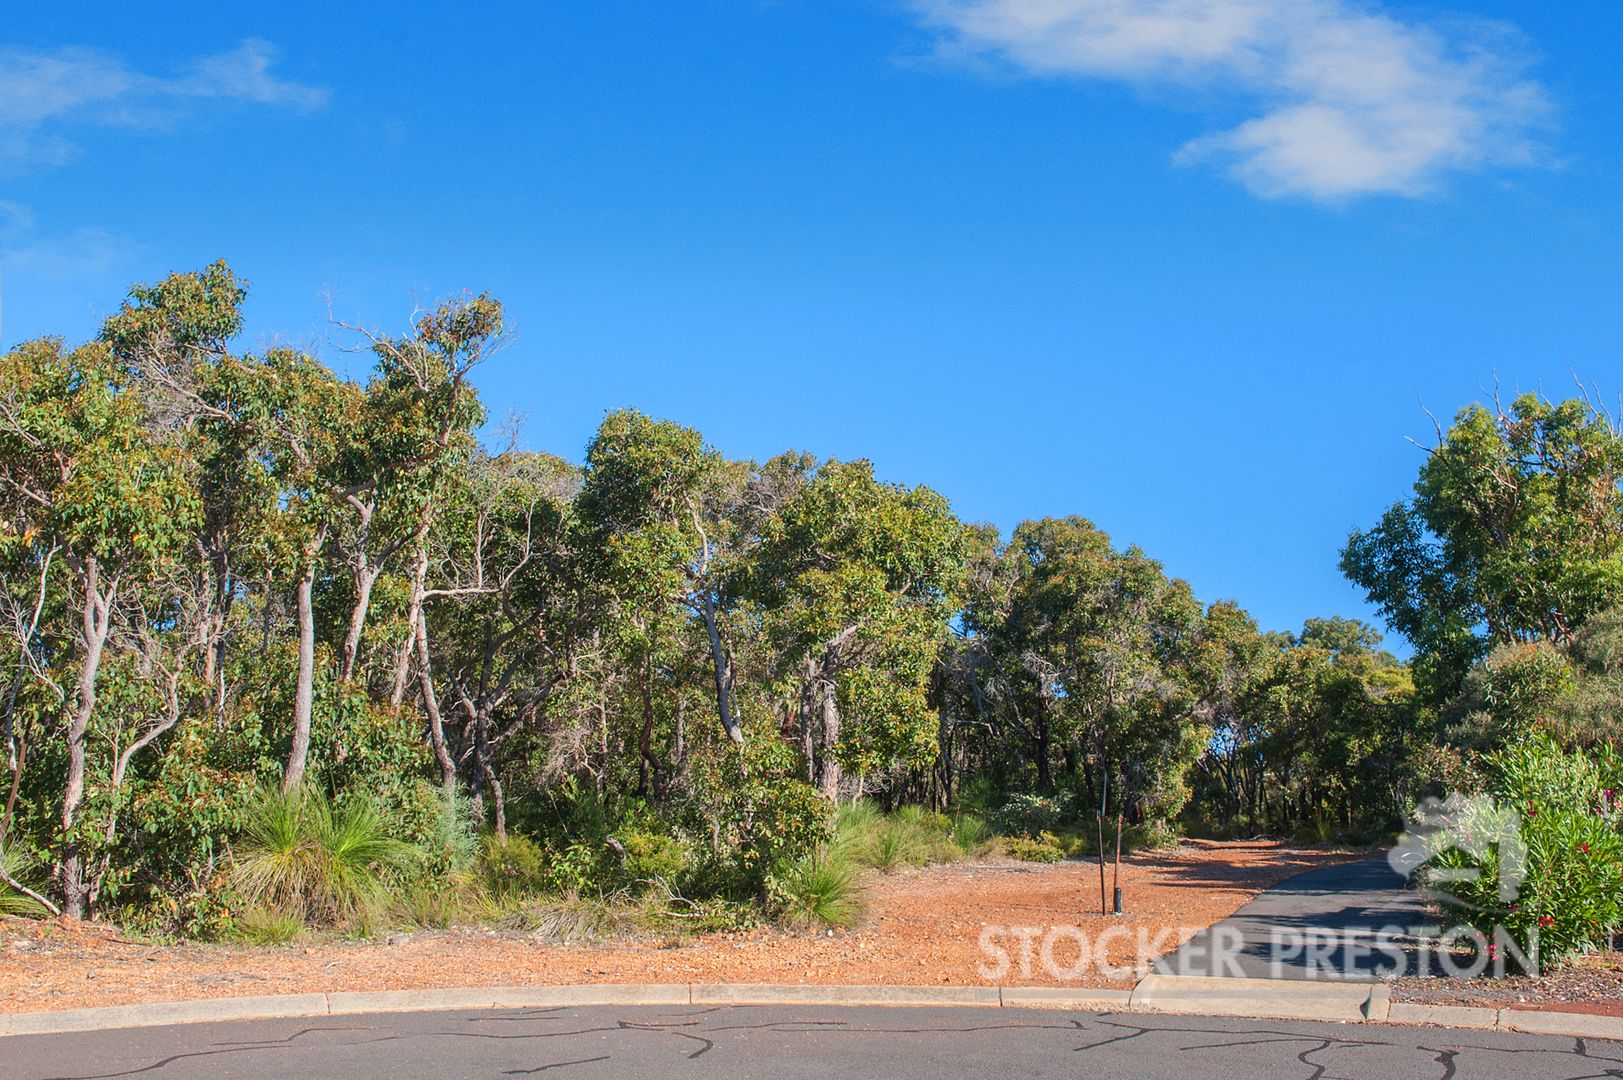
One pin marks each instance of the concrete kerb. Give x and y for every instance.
(769, 994)
(1173, 995)
(1282, 999)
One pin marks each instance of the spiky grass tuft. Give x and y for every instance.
(317, 862)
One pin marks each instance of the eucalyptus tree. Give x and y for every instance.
(414, 430)
(173, 339)
(306, 412)
(1331, 733)
(1106, 643)
(89, 490)
(858, 581)
(1514, 532)
(501, 619)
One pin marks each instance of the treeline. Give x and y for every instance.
(227, 573)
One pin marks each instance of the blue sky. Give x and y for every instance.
(1187, 267)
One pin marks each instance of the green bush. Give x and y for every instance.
(446, 901)
(858, 826)
(896, 845)
(1044, 848)
(821, 888)
(515, 866)
(440, 825)
(1570, 898)
(912, 836)
(1027, 814)
(971, 833)
(653, 856)
(321, 863)
(751, 813)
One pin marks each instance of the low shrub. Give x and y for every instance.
(1155, 835)
(267, 926)
(1566, 895)
(896, 845)
(574, 920)
(1044, 848)
(652, 856)
(971, 833)
(912, 836)
(821, 888)
(321, 863)
(1027, 814)
(515, 866)
(858, 828)
(446, 901)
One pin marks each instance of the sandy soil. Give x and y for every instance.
(924, 927)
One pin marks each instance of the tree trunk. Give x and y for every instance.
(414, 613)
(365, 578)
(97, 621)
(1039, 749)
(304, 693)
(431, 704)
(808, 697)
(828, 773)
(483, 755)
(722, 670)
(648, 764)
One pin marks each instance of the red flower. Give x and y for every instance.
(1546, 921)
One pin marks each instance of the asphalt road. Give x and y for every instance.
(1281, 933)
(647, 1043)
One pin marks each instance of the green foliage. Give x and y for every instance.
(1043, 848)
(446, 842)
(1571, 822)
(661, 672)
(857, 580)
(653, 856)
(971, 833)
(324, 864)
(912, 836)
(18, 866)
(267, 926)
(514, 866)
(818, 888)
(858, 826)
(1026, 813)
(1514, 532)
(758, 815)
(446, 901)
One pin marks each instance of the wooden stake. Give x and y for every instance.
(1117, 872)
(1104, 905)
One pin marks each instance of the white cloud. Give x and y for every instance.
(42, 92)
(1349, 101)
(25, 254)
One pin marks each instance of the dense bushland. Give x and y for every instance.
(291, 650)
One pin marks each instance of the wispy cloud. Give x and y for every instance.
(1346, 101)
(86, 252)
(44, 95)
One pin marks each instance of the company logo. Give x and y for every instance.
(1487, 835)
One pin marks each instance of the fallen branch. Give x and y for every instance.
(30, 893)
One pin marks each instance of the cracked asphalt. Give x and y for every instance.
(647, 1043)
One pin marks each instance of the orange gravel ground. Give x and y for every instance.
(923, 927)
